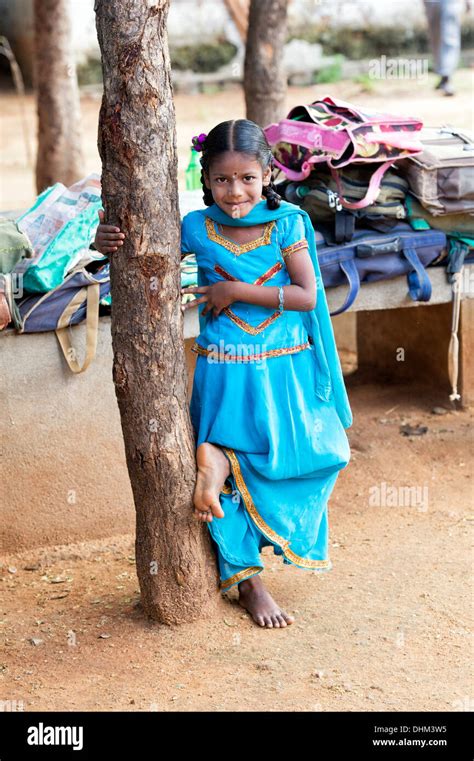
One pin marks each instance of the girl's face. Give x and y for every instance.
(235, 181)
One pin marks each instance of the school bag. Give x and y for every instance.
(60, 225)
(459, 229)
(75, 299)
(442, 176)
(14, 246)
(337, 133)
(372, 256)
(319, 197)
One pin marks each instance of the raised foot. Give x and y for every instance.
(260, 604)
(213, 469)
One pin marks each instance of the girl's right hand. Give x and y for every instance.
(107, 238)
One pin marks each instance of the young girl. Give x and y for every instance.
(269, 405)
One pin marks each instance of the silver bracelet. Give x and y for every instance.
(281, 299)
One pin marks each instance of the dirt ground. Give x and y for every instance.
(387, 629)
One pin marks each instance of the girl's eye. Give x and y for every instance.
(250, 177)
(218, 179)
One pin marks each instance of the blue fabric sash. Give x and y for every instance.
(317, 321)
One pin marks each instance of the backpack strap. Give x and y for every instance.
(419, 284)
(92, 292)
(453, 349)
(372, 190)
(344, 225)
(351, 272)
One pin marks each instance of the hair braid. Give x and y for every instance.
(270, 193)
(207, 194)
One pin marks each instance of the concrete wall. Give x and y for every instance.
(64, 477)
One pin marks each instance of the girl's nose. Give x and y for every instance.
(235, 191)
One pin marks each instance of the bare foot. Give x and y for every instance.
(213, 469)
(260, 604)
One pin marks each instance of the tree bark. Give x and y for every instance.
(59, 157)
(176, 566)
(264, 76)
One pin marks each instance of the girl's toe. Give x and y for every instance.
(281, 620)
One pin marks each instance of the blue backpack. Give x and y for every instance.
(75, 299)
(372, 256)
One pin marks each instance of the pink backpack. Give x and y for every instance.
(338, 133)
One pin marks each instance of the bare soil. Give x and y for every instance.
(387, 629)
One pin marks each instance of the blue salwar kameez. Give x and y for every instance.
(268, 389)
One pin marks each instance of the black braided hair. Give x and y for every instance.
(243, 136)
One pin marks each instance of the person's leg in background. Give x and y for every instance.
(450, 48)
(444, 28)
(433, 17)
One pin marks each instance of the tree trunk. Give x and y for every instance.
(239, 13)
(176, 566)
(264, 75)
(59, 157)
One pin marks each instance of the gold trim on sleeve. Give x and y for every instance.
(298, 246)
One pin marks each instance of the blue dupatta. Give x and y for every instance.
(317, 321)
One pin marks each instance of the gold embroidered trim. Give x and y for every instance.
(298, 246)
(268, 274)
(260, 523)
(221, 271)
(198, 349)
(240, 575)
(259, 281)
(245, 325)
(239, 248)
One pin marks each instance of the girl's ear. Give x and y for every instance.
(267, 176)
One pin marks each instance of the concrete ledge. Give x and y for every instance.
(64, 475)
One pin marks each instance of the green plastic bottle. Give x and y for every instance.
(193, 172)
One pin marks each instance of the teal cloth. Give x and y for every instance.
(277, 406)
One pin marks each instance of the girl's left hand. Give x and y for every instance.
(218, 296)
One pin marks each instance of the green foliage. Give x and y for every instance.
(366, 83)
(204, 57)
(374, 41)
(89, 72)
(329, 74)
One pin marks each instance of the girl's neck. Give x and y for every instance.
(241, 234)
